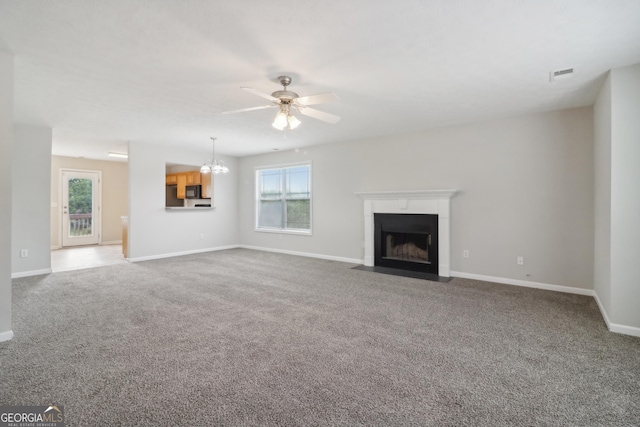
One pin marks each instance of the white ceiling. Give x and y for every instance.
(102, 73)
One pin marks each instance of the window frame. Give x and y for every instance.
(256, 200)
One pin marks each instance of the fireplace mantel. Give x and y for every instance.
(410, 202)
(407, 194)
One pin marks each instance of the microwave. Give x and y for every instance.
(192, 192)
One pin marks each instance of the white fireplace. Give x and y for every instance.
(435, 202)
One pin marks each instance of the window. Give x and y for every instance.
(283, 199)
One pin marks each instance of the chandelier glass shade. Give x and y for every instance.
(214, 166)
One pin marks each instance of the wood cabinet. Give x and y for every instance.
(206, 186)
(182, 179)
(125, 236)
(193, 178)
(182, 185)
(189, 178)
(197, 177)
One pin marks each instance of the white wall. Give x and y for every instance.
(526, 189)
(6, 123)
(602, 196)
(617, 200)
(625, 196)
(115, 190)
(157, 232)
(31, 182)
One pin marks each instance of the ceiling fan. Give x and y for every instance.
(288, 102)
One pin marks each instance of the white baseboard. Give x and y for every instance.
(31, 273)
(602, 310)
(305, 254)
(111, 242)
(108, 242)
(624, 329)
(615, 327)
(524, 283)
(6, 336)
(174, 254)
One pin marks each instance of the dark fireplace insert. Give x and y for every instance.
(406, 241)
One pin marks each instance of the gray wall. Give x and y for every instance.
(526, 189)
(31, 182)
(157, 232)
(6, 123)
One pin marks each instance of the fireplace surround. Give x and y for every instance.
(433, 202)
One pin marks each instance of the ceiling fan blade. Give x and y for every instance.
(262, 94)
(242, 110)
(321, 98)
(320, 115)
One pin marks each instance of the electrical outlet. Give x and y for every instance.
(24, 253)
(201, 236)
(520, 260)
(465, 254)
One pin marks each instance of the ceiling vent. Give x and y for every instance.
(560, 74)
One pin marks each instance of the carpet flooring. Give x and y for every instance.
(243, 337)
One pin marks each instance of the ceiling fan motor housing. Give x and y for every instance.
(285, 95)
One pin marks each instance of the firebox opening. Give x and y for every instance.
(407, 247)
(406, 241)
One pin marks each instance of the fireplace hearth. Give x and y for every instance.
(406, 241)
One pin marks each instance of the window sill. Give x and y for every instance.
(278, 231)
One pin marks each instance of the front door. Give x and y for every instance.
(80, 208)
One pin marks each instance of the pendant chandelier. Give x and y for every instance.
(213, 165)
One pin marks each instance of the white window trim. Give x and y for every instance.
(256, 185)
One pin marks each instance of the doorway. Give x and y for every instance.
(81, 218)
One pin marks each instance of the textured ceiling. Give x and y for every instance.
(102, 73)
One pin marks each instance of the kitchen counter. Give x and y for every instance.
(125, 236)
(182, 208)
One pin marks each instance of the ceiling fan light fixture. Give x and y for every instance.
(293, 122)
(280, 121)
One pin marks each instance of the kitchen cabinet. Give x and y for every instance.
(182, 185)
(193, 178)
(207, 191)
(197, 177)
(182, 179)
(171, 179)
(125, 236)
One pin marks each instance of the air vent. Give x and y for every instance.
(560, 74)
